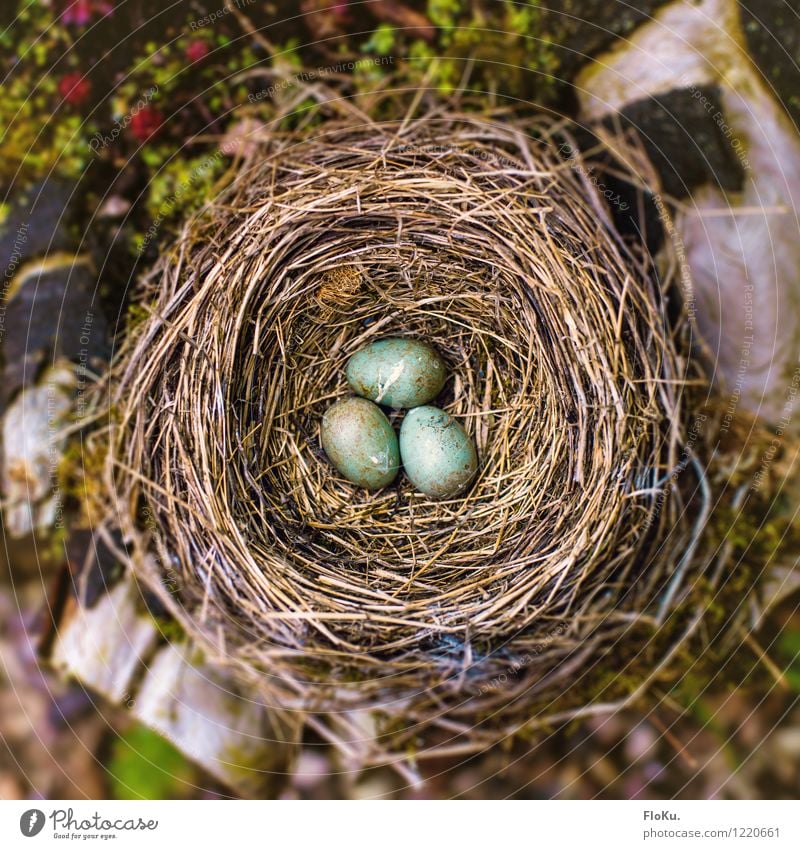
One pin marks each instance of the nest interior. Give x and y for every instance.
(480, 239)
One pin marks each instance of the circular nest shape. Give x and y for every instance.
(475, 614)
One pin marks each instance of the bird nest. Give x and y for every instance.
(472, 616)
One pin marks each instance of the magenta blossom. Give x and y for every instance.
(74, 88)
(146, 123)
(79, 13)
(196, 50)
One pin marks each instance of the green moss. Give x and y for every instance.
(445, 14)
(136, 315)
(81, 480)
(36, 139)
(506, 40)
(789, 657)
(170, 630)
(181, 186)
(144, 765)
(382, 40)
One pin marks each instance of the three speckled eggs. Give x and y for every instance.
(438, 456)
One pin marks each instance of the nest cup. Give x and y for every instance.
(470, 617)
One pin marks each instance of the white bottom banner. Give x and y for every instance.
(393, 825)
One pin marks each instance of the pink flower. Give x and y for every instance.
(146, 123)
(74, 88)
(80, 12)
(196, 50)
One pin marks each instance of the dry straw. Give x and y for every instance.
(454, 623)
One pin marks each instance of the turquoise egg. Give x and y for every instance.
(397, 372)
(360, 442)
(438, 455)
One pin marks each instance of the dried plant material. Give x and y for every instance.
(460, 621)
(338, 290)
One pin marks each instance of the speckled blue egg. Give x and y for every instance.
(397, 372)
(360, 442)
(438, 455)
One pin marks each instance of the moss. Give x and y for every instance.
(789, 657)
(181, 186)
(508, 42)
(38, 138)
(714, 669)
(135, 316)
(169, 629)
(145, 765)
(80, 478)
(382, 41)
